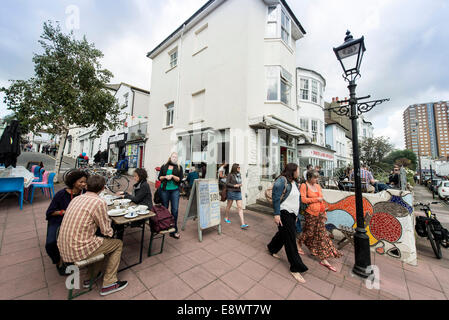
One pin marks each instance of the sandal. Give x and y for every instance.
(175, 235)
(298, 277)
(244, 227)
(329, 267)
(227, 220)
(301, 252)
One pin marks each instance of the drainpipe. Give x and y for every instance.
(179, 73)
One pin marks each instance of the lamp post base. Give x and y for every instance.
(362, 254)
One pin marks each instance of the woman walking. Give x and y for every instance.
(76, 184)
(286, 198)
(314, 234)
(171, 175)
(234, 193)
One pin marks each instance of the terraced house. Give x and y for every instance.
(224, 89)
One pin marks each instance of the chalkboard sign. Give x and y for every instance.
(204, 206)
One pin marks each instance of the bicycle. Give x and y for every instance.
(116, 181)
(429, 227)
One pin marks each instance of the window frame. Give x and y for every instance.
(170, 114)
(284, 79)
(173, 62)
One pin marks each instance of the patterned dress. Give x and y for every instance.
(314, 234)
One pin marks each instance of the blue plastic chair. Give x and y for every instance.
(40, 176)
(13, 185)
(36, 171)
(50, 186)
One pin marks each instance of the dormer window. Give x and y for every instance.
(279, 24)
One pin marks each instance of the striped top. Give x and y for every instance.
(77, 239)
(365, 177)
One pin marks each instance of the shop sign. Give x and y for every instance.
(117, 138)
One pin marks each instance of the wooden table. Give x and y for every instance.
(122, 222)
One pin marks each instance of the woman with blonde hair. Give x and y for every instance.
(314, 234)
(171, 175)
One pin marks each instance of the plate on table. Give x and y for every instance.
(143, 213)
(131, 215)
(116, 213)
(125, 201)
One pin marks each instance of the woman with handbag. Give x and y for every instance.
(285, 197)
(314, 235)
(171, 175)
(234, 193)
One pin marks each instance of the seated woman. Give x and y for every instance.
(142, 192)
(76, 184)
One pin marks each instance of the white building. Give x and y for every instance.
(337, 140)
(43, 139)
(128, 140)
(311, 86)
(223, 89)
(365, 128)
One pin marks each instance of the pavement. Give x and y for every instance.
(231, 266)
(48, 160)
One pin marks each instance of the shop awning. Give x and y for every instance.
(271, 122)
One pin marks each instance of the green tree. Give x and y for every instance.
(68, 90)
(373, 150)
(399, 157)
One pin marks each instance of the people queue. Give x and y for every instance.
(79, 227)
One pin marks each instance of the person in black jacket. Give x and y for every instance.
(142, 192)
(171, 175)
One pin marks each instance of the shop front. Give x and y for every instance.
(316, 156)
(116, 146)
(135, 146)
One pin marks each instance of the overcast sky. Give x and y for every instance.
(406, 58)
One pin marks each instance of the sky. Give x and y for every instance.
(406, 40)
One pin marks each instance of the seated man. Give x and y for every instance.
(77, 240)
(192, 176)
(366, 178)
(394, 178)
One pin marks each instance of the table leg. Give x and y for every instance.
(141, 249)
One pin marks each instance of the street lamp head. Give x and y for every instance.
(350, 55)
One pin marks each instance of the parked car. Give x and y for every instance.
(443, 190)
(434, 185)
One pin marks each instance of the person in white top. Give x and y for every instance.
(309, 167)
(286, 197)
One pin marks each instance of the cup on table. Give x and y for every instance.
(117, 204)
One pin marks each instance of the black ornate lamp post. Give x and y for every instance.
(350, 55)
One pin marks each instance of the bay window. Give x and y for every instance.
(304, 89)
(314, 131)
(304, 124)
(315, 91)
(279, 84)
(279, 24)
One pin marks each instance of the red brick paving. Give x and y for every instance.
(232, 266)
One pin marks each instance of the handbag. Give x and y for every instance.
(303, 206)
(269, 192)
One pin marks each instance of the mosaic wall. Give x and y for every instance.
(389, 220)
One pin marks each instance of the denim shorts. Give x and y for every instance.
(234, 195)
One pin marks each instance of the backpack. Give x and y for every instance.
(303, 206)
(269, 192)
(163, 220)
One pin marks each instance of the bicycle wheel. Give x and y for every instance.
(65, 174)
(433, 242)
(118, 184)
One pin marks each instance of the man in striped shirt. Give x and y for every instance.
(77, 236)
(366, 178)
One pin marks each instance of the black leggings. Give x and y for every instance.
(286, 237)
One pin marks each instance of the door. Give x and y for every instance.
(283, 158)
(141, 153)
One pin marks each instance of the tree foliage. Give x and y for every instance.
(67, 90)
(373, 150)
(406, 158)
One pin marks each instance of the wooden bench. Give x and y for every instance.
(348, 233)
(160, 235)
(82, 264)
